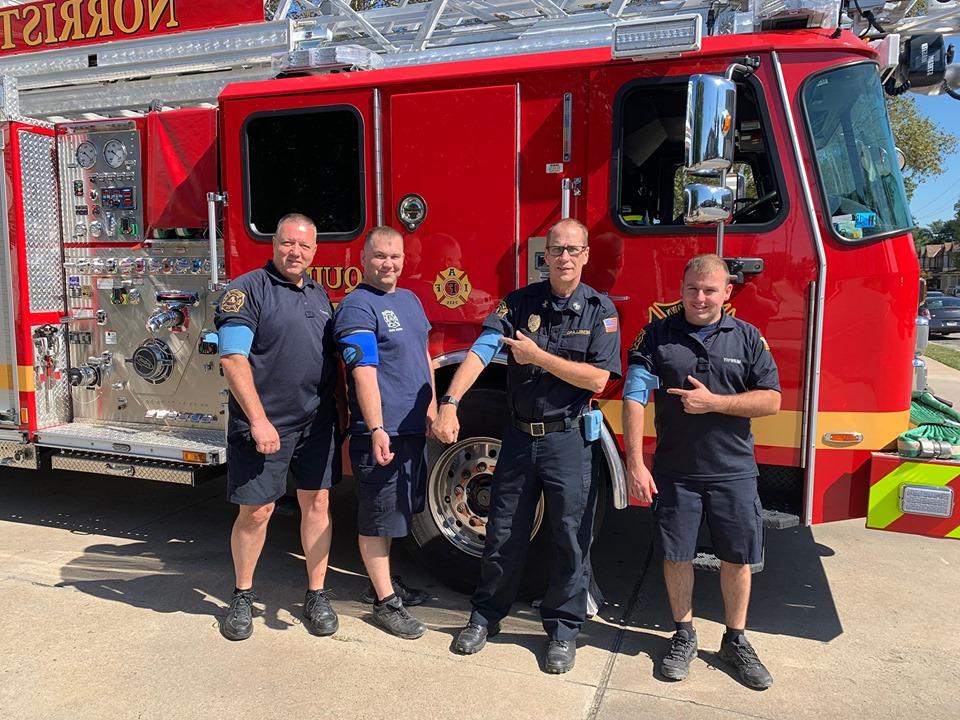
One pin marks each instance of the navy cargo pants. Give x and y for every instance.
(564, 467)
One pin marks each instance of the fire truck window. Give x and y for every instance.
(308, 162)
(856, 159)
(651, 159)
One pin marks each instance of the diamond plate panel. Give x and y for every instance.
(18, 455)
(142, 470)
(41, 223)
(52, 396)
(8, 357)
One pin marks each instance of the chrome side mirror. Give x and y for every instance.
(711, 119)
(707, 204)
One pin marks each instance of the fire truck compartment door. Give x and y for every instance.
(9, 395)
(919, 497)
(455, 150)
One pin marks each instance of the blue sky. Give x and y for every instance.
(934, 199)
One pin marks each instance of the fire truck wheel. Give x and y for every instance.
(448, 536)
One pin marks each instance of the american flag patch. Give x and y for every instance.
(610, 325)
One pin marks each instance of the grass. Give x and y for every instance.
(945, 355)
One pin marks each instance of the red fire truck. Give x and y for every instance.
(142, 173)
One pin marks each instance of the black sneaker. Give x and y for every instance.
(473, 637)
(743, 657)
(237, 624)
(411, 597)
(675, 665)
(561, 655)
(319, 616)
(393, 617)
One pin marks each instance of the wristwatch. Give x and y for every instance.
(449, 400)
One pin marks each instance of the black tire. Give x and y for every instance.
(483, 415)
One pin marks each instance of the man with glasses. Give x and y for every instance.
(711, 373)
(279, 359)
(563, 345)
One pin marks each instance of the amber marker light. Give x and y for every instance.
(194, 457)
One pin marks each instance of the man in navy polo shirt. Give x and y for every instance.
(382, 332)
(711, 373)
(564, 345)
(278, 356)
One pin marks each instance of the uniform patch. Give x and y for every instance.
(232, 301)
(392, 321)
(766, 345)
(583, 331)
(502, 310)
(610, 325)
(638, 341)
(533, 323)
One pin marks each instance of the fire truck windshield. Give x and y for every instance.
(856, 159)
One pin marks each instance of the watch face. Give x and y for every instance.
(114, 152)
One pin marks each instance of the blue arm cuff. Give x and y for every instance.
(235, 339)
(639, 384)
(487, 345)
(359, 349)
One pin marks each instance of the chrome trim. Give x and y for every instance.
(8, 282)
(567, 127)
(516, 194)
(807, 360)
(378, 153)
(813, 370)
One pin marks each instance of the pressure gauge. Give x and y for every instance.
(96, 230)
(114, 152)
(86, 155)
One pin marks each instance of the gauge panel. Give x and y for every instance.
(115, 153)
(86, 155)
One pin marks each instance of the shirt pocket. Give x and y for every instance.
(574, 347)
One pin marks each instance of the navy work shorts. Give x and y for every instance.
(732, 510)
(389, 495)
(311, 455)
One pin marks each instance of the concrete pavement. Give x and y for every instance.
(944, 380)
(112, 590)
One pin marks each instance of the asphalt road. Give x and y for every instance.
(112, 590)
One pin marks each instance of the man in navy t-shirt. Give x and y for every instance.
(382, 332)
(712, 373)
(279, 359)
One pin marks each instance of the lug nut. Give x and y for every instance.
(458, 490)
(481, 467)
(461, 508)
(465, 474)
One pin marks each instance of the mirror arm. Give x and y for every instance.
(744, 67)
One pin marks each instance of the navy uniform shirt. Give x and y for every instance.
(403, 375)
(733, 359)
(585, 330)
(293, 354)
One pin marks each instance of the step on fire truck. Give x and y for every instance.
(149, 148)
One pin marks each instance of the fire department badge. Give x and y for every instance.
(502, 310)
(232, 301)
(766, 345)
(533, 323)
(452, 287)
(638, 341)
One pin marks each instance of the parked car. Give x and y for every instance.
(944, 314)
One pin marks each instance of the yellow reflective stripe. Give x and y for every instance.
(24, 377)
(955, 533)
(785, 428)
(883, 506)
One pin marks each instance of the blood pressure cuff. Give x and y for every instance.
(487, 345)
(359, 348)
(235, 339)
(639, 383)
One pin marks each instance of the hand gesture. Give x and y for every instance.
(640, 482)
(264, 434)
(697, 401)
(525, 351)
(381, 447)
(446, 427)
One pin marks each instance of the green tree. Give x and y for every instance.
(924, 143)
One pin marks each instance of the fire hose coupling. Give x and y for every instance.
(92, 373)
(172, 315)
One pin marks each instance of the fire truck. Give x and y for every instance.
(150, 147)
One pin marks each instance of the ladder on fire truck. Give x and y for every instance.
(191, 68)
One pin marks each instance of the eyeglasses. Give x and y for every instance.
(572, 250)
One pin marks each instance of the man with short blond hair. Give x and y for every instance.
(711, 373)
(278, 356)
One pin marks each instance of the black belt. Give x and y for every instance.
(539, 429)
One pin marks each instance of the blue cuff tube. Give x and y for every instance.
(487, 345)
(236, 339)
(639, 384)
(359, 349)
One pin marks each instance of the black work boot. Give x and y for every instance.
(411, 597)
(561, 655)
(743, 657)
(237, 624)
(473, 637)
(393, 617)
(675, 665)
(319, 617)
